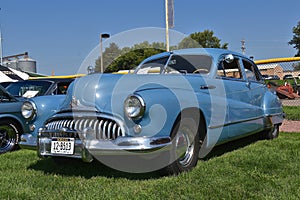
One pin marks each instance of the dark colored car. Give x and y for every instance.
(265, 76)
(287, 76)
(12, 124)
(273, 77)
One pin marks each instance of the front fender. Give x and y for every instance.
(163, 106)
(18, 118)
(46, 107)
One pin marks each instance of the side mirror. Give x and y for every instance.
(229, 58)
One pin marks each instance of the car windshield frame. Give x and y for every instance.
(29, 88)
(177, 64)
(6, 96)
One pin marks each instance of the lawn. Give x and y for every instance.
(258, 170)
(292, 112)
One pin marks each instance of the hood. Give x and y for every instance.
(104, 91)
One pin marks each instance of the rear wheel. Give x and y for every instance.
(186, 146)
(273, 133)
(9, 135)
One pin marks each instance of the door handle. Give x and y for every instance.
(207, 87)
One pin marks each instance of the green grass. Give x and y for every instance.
(292, 112)
(258, 170)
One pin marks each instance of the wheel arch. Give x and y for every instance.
(195, 113)
(16, 120)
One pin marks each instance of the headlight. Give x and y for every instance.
(134, 106)
(28, 110)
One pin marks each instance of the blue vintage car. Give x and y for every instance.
(24, 107)
(48, 94)
(174, 108)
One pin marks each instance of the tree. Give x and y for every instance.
(115, 59)
(296, 38)
(205, 39)
(129, 58)
(109, 55)
(188, 42)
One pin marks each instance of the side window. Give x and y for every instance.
(251, 73)
(230, 70)
(152, 67)
(62, 87)
(200, 64)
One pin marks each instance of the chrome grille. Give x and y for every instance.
(103, 128)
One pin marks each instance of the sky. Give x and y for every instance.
(61, 34)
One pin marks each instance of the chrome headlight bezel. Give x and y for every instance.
(134, 106)
(29, 110)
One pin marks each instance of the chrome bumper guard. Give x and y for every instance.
(28, 141)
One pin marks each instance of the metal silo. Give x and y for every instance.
(27, 65)
(10, 63)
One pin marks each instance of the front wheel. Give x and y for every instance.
(9, 135)
(186, 146)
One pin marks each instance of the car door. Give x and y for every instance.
(257, 90)
(238, 95)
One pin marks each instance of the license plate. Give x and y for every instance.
(62, 145)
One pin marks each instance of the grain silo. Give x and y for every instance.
(11, 64)
(27, 64)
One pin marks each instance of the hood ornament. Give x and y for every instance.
(74, 102)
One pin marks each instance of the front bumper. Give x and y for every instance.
(87, 149)
(28, 141)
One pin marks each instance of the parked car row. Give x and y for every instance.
(169, 113)
(270, 77)
(275, 77)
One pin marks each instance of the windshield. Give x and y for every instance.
(177, 64)
(28, 88)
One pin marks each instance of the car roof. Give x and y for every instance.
(214, 52)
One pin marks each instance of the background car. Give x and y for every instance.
(48, 94)
(39, 87)
(19, 124)
(170, 112)
(273, 77)
(12, 124)
(287, 76)
(265, 76)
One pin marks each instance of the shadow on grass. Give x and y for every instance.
(233, 145)
(74, 167)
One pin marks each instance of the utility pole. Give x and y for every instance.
(169, 11)
(243, 46)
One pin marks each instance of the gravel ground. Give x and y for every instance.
(290, 126)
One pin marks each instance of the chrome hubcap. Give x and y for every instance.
(7, 137)
(184, 147)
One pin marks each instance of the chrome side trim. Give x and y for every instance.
(235, 122)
